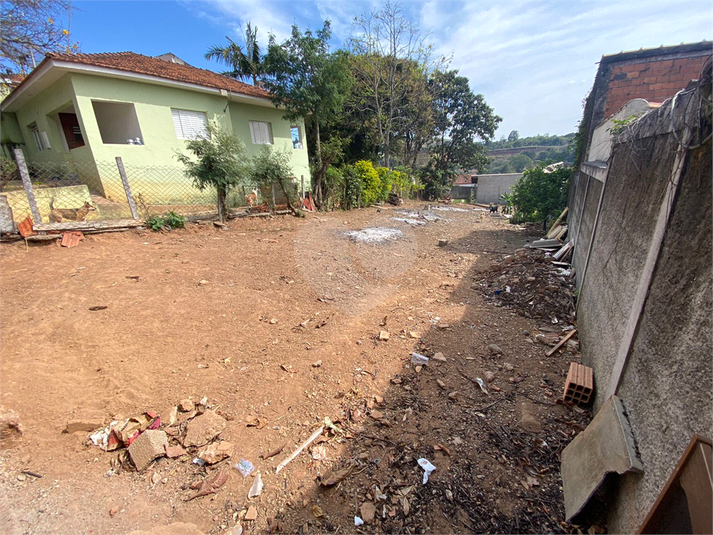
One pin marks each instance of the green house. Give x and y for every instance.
(87, 109)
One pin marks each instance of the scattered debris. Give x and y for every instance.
(216, 452)
(245, 467)
(419, 360)
(358, 521)
(384, 336)
(256, 488)
(439, 357)
(368, 511)
(481, 384)
(579, 385)
(149, 445)
(495, 349)
(251, 514)
(317, 364)
(72, 238)
(561, 342)
(186, 405)
(442, 243)
(428, 469)
(211, 486)
(98, 307)
(331, 479)
(173, 452)
(374, 235)
(295, 453)
(204, 428)
(273, 452)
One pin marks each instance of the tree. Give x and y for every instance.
(460, 118)
(308, 82)
(221, 162)
(28, 28)
(514, 135)
(386, 46)
(541, 193)
(272, 168)
(247, 64)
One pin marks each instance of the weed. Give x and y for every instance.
(169, 220)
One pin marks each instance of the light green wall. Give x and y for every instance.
(10, 129)
(153, 105)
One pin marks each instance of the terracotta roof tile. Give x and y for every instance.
(140, 64)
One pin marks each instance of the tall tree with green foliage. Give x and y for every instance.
(272, 168)
(541, 193)
(460, 119)
(219, 160)
(246, 63)
(308, 82)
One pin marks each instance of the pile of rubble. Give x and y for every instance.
(533, 285)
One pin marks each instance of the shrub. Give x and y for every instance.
(169, 220)
(370, 181)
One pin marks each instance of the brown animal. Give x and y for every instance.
(57, 215)
(251, 199)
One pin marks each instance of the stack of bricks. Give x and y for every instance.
(579, 385)
(654, 79)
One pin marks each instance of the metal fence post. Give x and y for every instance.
(125, 181)
(27, 184)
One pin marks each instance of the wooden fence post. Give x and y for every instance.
(27, 184)
(303, 185)
(127, 189)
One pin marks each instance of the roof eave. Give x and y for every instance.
(48, 64)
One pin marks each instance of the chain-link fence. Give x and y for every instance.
(87, 191)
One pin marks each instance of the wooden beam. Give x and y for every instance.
(561, 342)
(557, 221)
(27, 184)
(90, 225)
(127, 189)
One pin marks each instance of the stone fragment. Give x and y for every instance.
(169, 417)
(442, 243)
(495, 349)
(216, 452)
(204, 428)
(251, 514)
(186, 405)
(384, 336)
(174, 451)
(439, 357)
(489, 376)
(508, 367)
(149, 445)
(414, 334)
(367, 511)
(317, 364)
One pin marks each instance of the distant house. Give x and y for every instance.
(484, 188)
(90, 108)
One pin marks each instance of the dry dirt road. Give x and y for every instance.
(277, 322)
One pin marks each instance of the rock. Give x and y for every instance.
(414, 334)
(453, 395)
(83, 425)
(149, 445)
(169, 417)
(379, 399)
(495, 349)
(508, 367)
(10, 426)
(376, 415)
(368, 511)
(441, 383)
(202, 282)
(174, 451)
(439, 356)
(442, 243)
(317, 364)
(489, 376)
(216, 452)
(21, 477)
(529, 421)
(204, 428)
(113, 511)
(186, 405)
(273, 321)
(251, 514)
(384, 336)
(443, 326)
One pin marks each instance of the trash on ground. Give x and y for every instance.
(295, 453)
(211, 486)
(428, 469)
(245, 467)
(419, 360)
(358, 521)
(481, 384)
(331, 479)
(274, 452)
(256, 488)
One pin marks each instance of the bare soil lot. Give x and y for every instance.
(277, 321)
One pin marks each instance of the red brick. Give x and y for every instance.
(579, 386)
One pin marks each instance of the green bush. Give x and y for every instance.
(540, 194)
(370, 180)
(353, 192)
(169, 220)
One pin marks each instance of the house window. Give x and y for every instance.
(190, 124)
(37, 137)
(261, 133)
(72, 132)
(117, 123)
(296, 137)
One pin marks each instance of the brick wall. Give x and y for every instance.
(654, 79)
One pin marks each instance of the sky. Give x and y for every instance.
(534, 61)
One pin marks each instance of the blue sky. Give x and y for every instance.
(534, 61)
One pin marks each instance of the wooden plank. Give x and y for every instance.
(697, 483)
(561, 342)
(559, 219)
(127, 189)
(553, 232)
(27, 184)
(90, 225)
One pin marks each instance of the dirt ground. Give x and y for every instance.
(277, 322)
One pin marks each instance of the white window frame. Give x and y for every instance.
(261, 133)
(38, 138)
(299, 143)
(190, 124)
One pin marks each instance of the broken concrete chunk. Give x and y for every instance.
(384, 336)
(439, 356)
(174, 451)
(169, 417)
(442, 243)
(605, 446)
(204, 428)
(251, 514)
(317, 364)
(216, 452)
(508, 367)
(149, 445)
(186, 405)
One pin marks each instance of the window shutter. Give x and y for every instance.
(177, 123)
